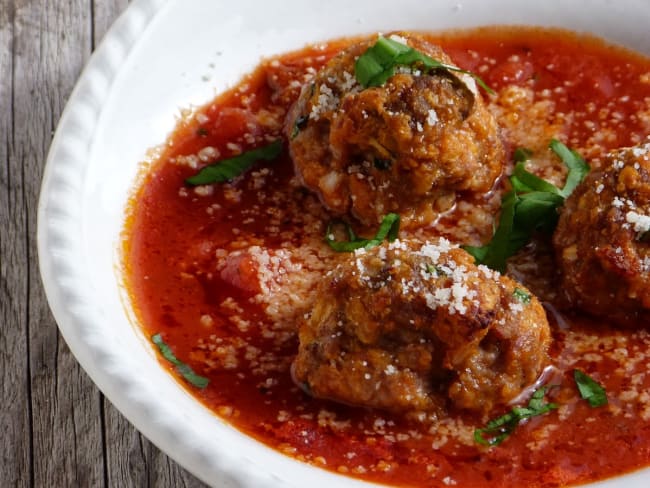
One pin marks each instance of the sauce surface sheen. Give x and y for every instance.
(223, 272)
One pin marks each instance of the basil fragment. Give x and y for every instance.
(529, 207)
(507, 238)
(228, 169)
(521, 295)
(499, 429)
(522, 154)
(377, 64)
(388, 229)
(301, 123)
(578, 168)
(437, 270)
(589, 389)
(183, 369)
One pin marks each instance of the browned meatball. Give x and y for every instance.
(411, 327)
(407, 146)
(602, 241)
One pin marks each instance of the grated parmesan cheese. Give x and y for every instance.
(641, 222)
(327, 102)
(432, 117)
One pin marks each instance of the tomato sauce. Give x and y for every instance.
(209, 316)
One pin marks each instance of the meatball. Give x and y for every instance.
(412, 327)
(602, 241)
(407, 146)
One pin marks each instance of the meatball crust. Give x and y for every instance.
(602, 241)
(407, 146)
(412, 327)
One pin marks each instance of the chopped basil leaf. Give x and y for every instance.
(301, 123)
(183, 369)
(342, 246)
(530, 206)
(537, 211)
(524, 181)
(388, 229)
(230, 168)
(578, 168)
(521, 295)
(497, 430)
(377, 64)
(202, 131)
(437, 270)
(589, 389)
(522, 154)
(507, 239)
(441, 271)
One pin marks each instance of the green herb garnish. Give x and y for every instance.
(437, 270)
(202, 131)
(301, 123)
(228, 169)
(497, 430)
(521, 295)
(377, 64)
(589, 389)
(530, 206)
(388, 230)
(522, 154)
(183, 369)
(578, 168)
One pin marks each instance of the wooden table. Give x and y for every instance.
(56, 428)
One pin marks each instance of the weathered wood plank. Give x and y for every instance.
(52, 43)
(166, 473)
(104, 14)
(15, 459)
(134, 462)
(128, 452)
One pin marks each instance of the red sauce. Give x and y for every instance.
(169, 259)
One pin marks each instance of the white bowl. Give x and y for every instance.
(162, 55)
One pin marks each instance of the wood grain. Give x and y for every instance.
(57, 428)
(15, 414)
